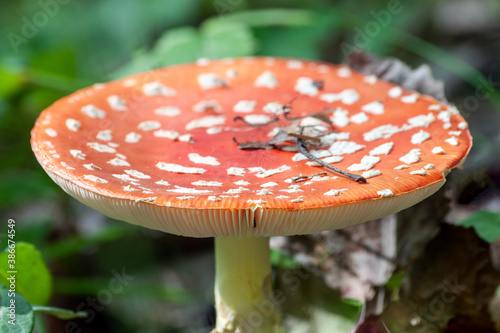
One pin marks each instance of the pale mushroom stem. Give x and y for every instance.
(243, 286)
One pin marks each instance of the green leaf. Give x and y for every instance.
(226, 39)
(217, 38)
(485, 223)
(32, 278)
(15, 311)
(177, 46)
(283, 261)
(59, 313)
(395, 281)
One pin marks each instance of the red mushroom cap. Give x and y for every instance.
(156, 149)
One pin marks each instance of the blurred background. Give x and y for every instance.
(50, 48)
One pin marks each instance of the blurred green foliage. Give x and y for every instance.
(83, 42)
(485, 223)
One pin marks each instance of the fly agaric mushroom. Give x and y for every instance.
(207, 150)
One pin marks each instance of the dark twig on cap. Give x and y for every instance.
(303, 178)
(301, 148)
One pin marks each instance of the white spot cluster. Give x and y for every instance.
(137, 174)
(345, 147)
(93, 112)
(185, 138)
(50, 132)
(186, 190)
(126, 178)
(370, 79)
(257, 119)
(410, 99)
(149, 125)
(420, 137)
(73, 125)
(452, 141)
(348, 97)
(359, 118)
(204, 105)
(269, 184)
(385, 193)
(412, 157)
(438, 151)
(371, 173)
(334, 193)
(161, 133)
(233, 171)
(179, 168)
(340, 117)
(198, 159)
(101, 148)
(420, 172)
(328, 160)
(95, 179)
(383, 149)
(258, 201)
(395, 92)
(132, 137)
(423, 120)
(205, 122)
(244, 106)
(264, 192)
(306, 86)
(266, 80)
(330, 138)
(92, 166)
(77, 153)
(168, 111)
(293, 189)
(273, 108)
(115, 102)
(104, 135)
(367, 162)
(210, 81)
(317, 153)
(344, 72)
(384, 131)
(207, 183)
(118, 162)
(373, 108)
(156, 88)
(294, 64)
(270, 172)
